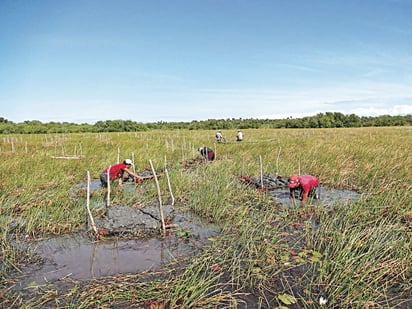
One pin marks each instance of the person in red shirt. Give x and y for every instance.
(305, 185)
(117, 171)
(207, 153)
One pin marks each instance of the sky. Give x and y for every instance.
(84, 61)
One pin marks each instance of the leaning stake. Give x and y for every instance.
(160, 199)
(88, 205)
(168, 184)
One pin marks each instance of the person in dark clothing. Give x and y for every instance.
(207, 153)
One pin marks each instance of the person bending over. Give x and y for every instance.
(305, 185)
(117, 171)
(207, 153)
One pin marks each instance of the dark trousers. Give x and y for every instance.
(103, 179)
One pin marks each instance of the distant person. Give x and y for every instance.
(117, 171)
(305, 185)
(219, 136)
(207, 153)
(239, 136)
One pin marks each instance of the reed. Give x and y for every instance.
(353, 255)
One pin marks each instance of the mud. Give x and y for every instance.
(328, 197)
(125, 220)
(277, 188)
(78, 257)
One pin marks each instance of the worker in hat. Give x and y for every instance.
(219, 136)
(117, 171)
(239, 136)
(305, 185)
(207, 153)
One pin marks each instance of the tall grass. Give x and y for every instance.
(355, 255)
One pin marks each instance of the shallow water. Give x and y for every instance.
(80, 258)
(328, 197)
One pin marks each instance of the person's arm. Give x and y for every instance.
(133, 174)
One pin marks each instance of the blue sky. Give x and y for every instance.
(182, 60)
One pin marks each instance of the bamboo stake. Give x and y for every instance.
(215, 151)
(183, 152)
(118, 155)
(147, 151)
(277, 161)
(168, 183)
(261, 171)
(108, 187)
(159, 198)
(88, 205)
(134, 168)
(243, 165)
(299, 167)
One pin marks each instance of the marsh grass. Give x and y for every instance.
(355, 255)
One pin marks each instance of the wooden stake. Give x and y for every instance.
(159, 198)
(108, 187)
(261, 171)
(277, 161)
(183, 152)
(243, 166)
(88, 205)
(168, 184)
(134, 167)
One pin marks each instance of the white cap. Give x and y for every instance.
(128, 162)
(200, 149)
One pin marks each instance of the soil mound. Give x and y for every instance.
(126, 220)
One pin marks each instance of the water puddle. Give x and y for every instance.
(80, 258)
(278, 189)
(328, 197)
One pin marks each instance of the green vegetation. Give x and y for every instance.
(321, 120)
(356, 256)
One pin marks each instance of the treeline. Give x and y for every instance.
(321, 120)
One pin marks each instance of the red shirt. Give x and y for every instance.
(308, 182)
(116, 171)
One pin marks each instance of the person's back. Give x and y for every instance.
(207, 153)
(305, 184)
(239, 136)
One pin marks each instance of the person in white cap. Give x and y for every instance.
(239, 136)
(219, 136)
(117, 171)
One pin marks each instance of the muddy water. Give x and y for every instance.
(80, 258)
(328, 197)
